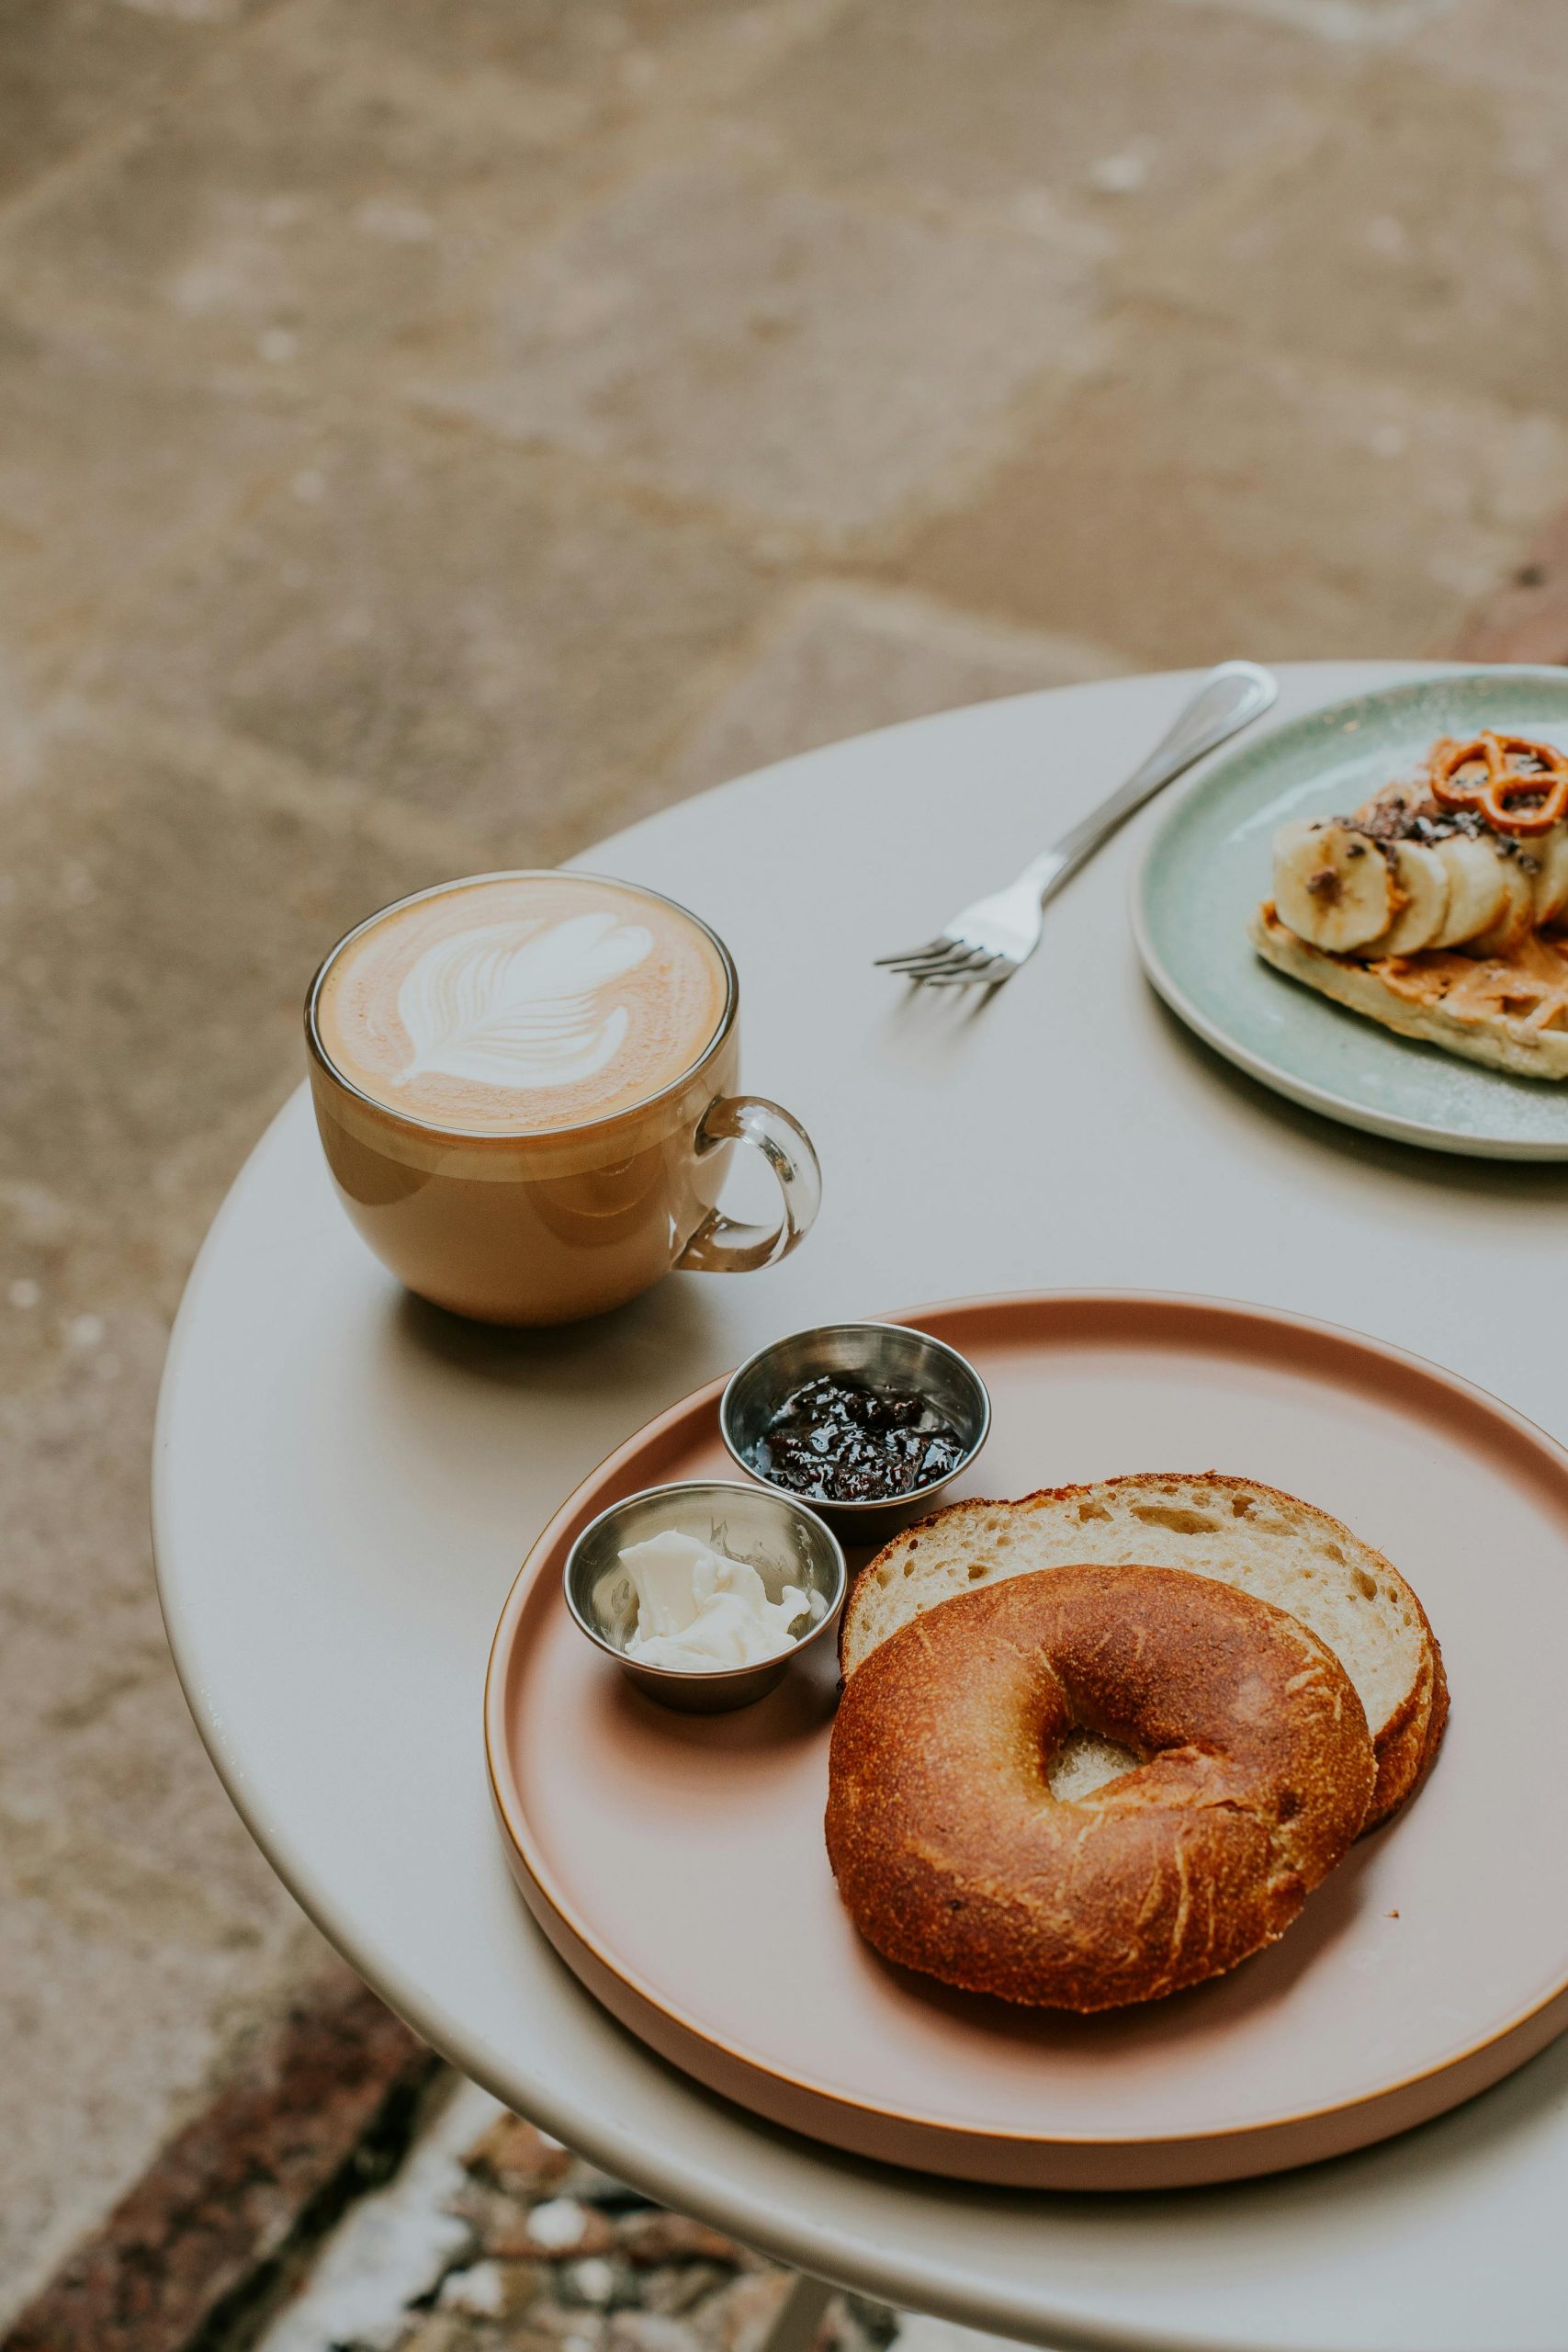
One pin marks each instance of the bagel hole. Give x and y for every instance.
(1365, 1585)
(1086, 1761)
(1092, 1510)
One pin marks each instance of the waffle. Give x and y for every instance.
(1509, 1012)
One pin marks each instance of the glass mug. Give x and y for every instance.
(525, 1085)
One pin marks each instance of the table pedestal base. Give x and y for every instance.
(799, 2315)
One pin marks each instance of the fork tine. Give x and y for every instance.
(918, 971)
(938, 961)
(915, 955)
(948, 966)
(986, 972)
(958, 966)
(952, 945)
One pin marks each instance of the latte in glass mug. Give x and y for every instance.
(525, 1086)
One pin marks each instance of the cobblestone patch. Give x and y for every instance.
(495, 2238)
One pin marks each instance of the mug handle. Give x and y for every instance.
(724, 1245)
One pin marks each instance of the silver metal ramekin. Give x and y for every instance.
(781, 1536)
(885, 1355)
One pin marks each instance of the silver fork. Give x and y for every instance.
(987, 941)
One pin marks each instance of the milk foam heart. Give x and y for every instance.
(520, 1003)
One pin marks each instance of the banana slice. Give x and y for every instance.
(1478, 889)
(1422, 878)
(1550, 851)
(1332, 886)
(1517, 918)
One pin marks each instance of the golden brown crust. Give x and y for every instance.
(953, 1857)
(1405, 1744)
(1435, 1723)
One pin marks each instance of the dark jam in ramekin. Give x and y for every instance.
(839, 1440)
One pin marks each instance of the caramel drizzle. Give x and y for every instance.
(1530, 987)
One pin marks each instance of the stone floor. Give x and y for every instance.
(430, 436)
(492, 2238)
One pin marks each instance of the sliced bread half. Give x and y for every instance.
(1265, 1543)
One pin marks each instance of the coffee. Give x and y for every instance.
(521, 1004)
(526, 1091)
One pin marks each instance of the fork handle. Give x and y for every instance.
(1229, 698)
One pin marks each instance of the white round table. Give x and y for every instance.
(346, 1481)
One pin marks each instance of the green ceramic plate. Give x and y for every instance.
(1208, 866)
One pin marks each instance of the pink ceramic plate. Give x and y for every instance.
(677, 1864)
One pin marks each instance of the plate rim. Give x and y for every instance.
(535, 1874)
(1390, 1126)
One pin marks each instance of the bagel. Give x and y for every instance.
(1245, 1533)
(953, 1854)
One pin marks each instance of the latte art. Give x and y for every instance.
(521, 1004)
